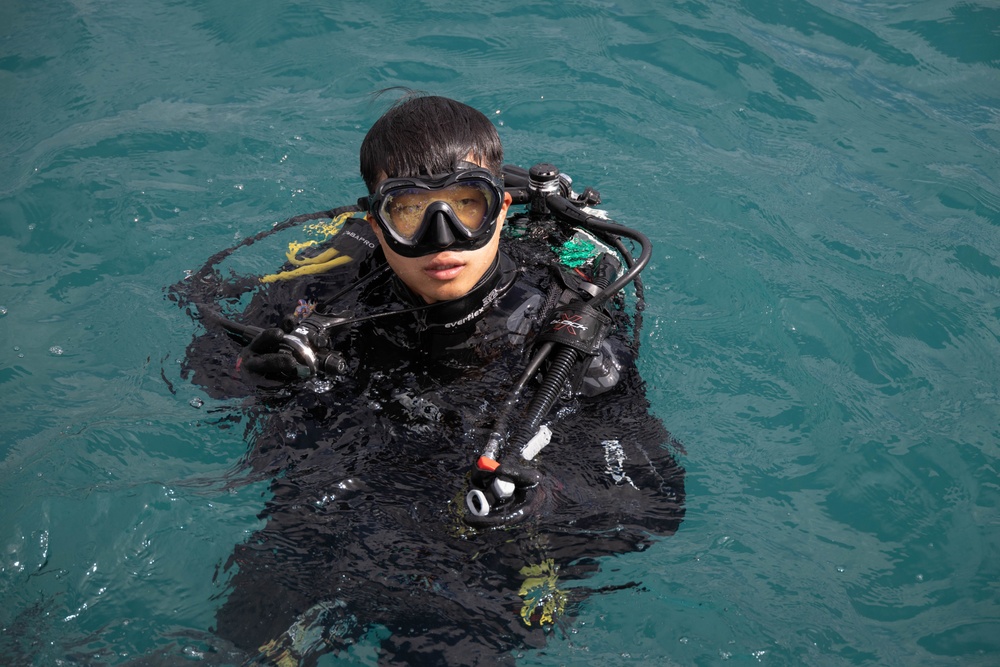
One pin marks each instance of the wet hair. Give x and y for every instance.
(422, 135)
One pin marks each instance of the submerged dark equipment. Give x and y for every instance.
(505, 488)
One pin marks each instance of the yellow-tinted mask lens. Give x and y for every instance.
(404, 209)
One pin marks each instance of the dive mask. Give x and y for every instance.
(423, 215)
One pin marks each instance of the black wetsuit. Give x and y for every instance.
(370, 471)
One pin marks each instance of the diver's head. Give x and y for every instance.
(424, 135)
(433, 170)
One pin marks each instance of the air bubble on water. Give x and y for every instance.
(55, 350)
(238, 186)
(684, 640)
(841, 569)
(196, 402)
(3, 310)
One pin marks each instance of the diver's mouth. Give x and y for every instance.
(444, 270)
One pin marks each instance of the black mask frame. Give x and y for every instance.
(441, 228)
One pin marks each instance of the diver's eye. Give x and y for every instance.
(406, 209)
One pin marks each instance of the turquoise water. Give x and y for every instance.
(822, 331)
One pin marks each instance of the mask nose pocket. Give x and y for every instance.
(439, 232)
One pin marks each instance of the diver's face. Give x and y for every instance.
(448, 274)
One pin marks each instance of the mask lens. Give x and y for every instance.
(470, 202)
(404, 208)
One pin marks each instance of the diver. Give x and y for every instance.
(446, 402)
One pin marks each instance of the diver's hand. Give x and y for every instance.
(264, 358)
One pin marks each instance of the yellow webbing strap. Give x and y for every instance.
(321, 263)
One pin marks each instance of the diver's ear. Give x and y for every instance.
(507, 201)
(376, 229)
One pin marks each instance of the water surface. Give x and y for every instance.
(822, 331)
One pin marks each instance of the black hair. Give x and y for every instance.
(426, 134)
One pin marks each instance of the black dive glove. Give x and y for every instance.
(265, 357)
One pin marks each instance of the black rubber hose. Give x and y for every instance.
(518, 195)
(498, 434)
(242, 332)
(567, 210)
(543, 400)
(514, 176)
